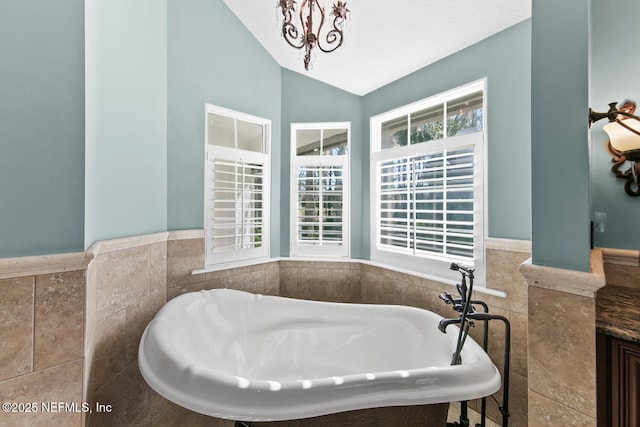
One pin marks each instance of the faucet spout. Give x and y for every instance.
(442, 326)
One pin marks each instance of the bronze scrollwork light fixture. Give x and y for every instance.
(311, 21)
(624, 142)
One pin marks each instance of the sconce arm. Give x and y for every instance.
(611, 114)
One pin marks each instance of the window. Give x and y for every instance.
(427, 196)
(236, 187)
(320, 189)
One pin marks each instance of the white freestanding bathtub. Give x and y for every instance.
(241, 356)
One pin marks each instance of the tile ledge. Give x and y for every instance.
(509, 245)
(567, 281)
(43, 264)
(112, 245)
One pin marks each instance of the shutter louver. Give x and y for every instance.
(236, 193)
(426, 204)
(320, 205)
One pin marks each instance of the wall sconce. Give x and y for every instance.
(624, 142)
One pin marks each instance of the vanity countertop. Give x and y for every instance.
(618, 312)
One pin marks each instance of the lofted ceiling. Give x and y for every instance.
(385, 40)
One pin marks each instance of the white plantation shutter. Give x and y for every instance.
(236, 205)
(320, 189)
(236, 187)
(426, 204)
(320, 205)
(427, 184)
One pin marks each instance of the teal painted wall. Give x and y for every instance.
(126, 117)
(305, 100)
(559, 100)
(505, 60)
(615, 71)
(41, 127)
(212, 58)
(559, 155)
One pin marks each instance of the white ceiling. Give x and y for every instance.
(385, 39)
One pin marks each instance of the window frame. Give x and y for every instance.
(436, 266)
(319, 250)
(213, 152)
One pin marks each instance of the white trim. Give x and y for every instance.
(441, 97)
(37, 265)
(186, 234)
(122, 243)
(477, 139)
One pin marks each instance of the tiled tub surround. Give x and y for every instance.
(361, 282)
(130, 279)
(126, 286)
(41, 337)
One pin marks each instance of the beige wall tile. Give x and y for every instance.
(254, 282)
(376, 289)
(158, 265)
(314, 283)
(219, 283)
(296, 264)
(61, 383)
(183, 256)
(346, 285)
(127, 393)
(288, 281)
(561, 362)
(109, 356)
(544, 412)
(519, 343)
(421, 296)
(16, 326)
(123, 277)
(138, 317)
(59, 318)
(518, 406)
(272, 281)
(275, 265)
(228, 272)
(332, 265)
(503, 275)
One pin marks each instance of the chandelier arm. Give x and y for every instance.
(334, 38)
(305, 37)
(306, 23)
(290, 31)
(321, 9)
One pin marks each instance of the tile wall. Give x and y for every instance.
(562, 343)
(360, 282)
(41, 339)
(126, 286)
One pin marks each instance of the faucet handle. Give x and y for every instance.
(446, 297)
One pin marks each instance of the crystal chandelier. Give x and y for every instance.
(307, 31)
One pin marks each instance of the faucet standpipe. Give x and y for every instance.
(464, 306)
